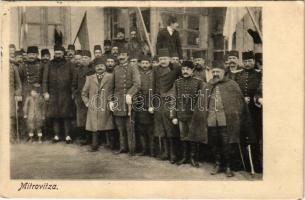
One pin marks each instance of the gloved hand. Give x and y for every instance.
(247, 99)
(46, 96)
(25, 116)
(151, 110)
(111, 106)
(175, 121)
(128, 99)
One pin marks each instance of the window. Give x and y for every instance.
(41, 22)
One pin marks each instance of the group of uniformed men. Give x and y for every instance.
(124, 99)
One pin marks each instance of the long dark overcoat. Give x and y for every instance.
(57, 81)
(239, 125)
(170, 42)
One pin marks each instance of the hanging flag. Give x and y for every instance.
(233, 16)
(82, 34)
(23, 29)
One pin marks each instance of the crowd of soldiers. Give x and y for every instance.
(124, 99)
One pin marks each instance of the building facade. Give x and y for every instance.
(199, 28)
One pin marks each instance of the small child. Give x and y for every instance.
(34, 113)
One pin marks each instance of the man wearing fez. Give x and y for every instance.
(126, 85)
(45, 56)
(78, 58)
(115, 51)
(186, 91)
(31, 71)
(164, 77)
(107, 47)
(96, 95)
(24, 54)
(18, 58)
(57, 84)
(71, 53)
(249, 81)
(78, 82)
(120, 40)
(169, 38)
(221, 117)
(12, 49)
(259, 62)
(97, 51)
(144, 111)
(233, 66)
(110, 63)
(201, 71)
(175, 59)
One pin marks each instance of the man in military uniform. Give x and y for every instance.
(186, 91)
(249, 81)
(71, 53)
(31, 72)
(78, 82)
(144, 114)
(165, 75)
(126, 85)
(57, 81)
(201, 70)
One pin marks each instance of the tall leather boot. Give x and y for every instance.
(164, 155)
(184, 153)
(172, 146)
(143, 146)
(194, 161)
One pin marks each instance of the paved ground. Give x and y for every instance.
(61, 161)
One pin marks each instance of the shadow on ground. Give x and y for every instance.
(61, 161)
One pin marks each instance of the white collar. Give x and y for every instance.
(170, 30)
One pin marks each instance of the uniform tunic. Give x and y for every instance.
(249, 82)
(163, 84)
(30, 73)
(186, 92)
(143, 116)
(126, 82)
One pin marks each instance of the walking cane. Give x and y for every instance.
(241, 156)
(250, 158)
(17, 122)
(131, 126)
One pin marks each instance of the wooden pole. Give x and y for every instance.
(145, 31)
(255, 24)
